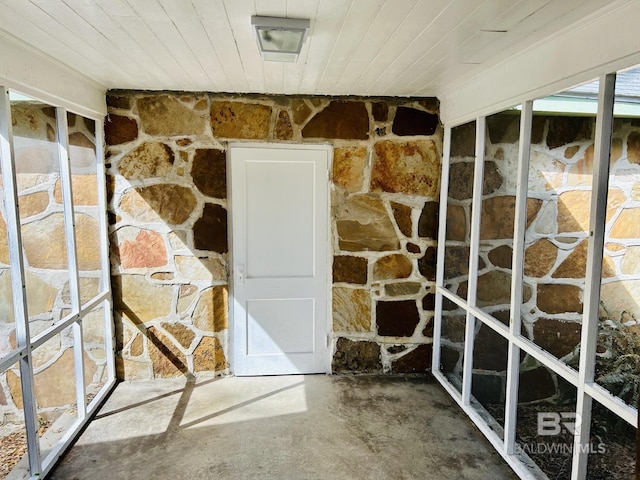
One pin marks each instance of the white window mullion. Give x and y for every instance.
(589, 335)
(74, 281)
(442, 238)
(517, 262)
(474, 247)
(7, 166)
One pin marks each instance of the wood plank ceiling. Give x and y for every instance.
(355, 47)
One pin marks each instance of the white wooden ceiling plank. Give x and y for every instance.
(328, 19)
(409, 36)
(186, 20)
(35, 27)
(518, 12)
(534, 27)
(239, 17)
(170, 41)
(293, 72)
(115, 8)
(93, 32)
(383, 27)
(356, 26)
(447, 45)
(213, 17)
(273, 71)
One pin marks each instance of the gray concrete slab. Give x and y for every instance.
(287, 427)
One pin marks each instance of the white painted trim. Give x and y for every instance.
(26, 70)
(575, 55)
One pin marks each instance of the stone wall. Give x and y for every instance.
(558, 209)
(166, 162)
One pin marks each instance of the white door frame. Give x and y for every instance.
(328, 252)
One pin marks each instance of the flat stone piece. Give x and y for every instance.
(410, 121)
(209, 356)
(403, 288)
(402, 215)
(85, 190)
(453, 328)
(633, 147)
(490, 350)
(411, 167)
(351, 310)
(55, 386)
(240, 120)
(427, 264)
(140, 248)
(210, 314)
(339, 120)
(575, 265)
(564, 130)
(461, 180)
(536, 384)
(210, 230)
(141, 300)
(283, 129)
(457, 223)
(574, 211)
(350, 269)
(168, 203)
(559, 298)
(556, 336)
(167, 116)
(353, 356)
(166, 358)
(119, 129)
(380, 111)
(494, 288)
(456, 261)
(397, 319)
(539, 258)
(209, 172)
(429, 302)
(627, 225)
(501, 256)
(619, 298)
(181, 334)
(348, 167)
(200, 268)
(463, 140)
(300, 110)
(118, 101)
(498, 215)
(151, 159)
(630, 263)
(363, 224)
(417, 360)
(392, 267)
(413, 248)
(503, 128)
(30, 205)
(428, 222)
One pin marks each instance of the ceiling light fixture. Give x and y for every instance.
(280, 39)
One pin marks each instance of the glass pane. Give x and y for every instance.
(452, 342)
(497, 215)
(95, 351)
(13, 439)
(558, 208)
(545, 419)
(488, 384)
(618, 352)
(42, 221)
(84, 182)
(612, 448)
(55, 389)
(460, 193)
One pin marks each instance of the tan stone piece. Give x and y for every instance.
(619, 297)
(351, 310)
(392, 267)
(559, 298)
(348, 167)
(627, 225)
(199, 269)
(457, 223)
(159, 203)
(40, 295)
(32, 204)
(410, 167)
(140, 300)
(240, 120)
(498, 214)
(151, 159)
(166, 115)
(363, 224)
(631, 261)
(166, 358)
(403, 288)
(300, 110)
(283, 129)
(494, 288)
(181, 334)
(539, 258)
(209, 356)
(211, 312)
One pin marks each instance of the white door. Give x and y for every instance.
(280, 245)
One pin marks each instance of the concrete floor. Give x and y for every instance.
(289, 427)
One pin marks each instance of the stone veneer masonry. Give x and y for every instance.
(166, 166)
